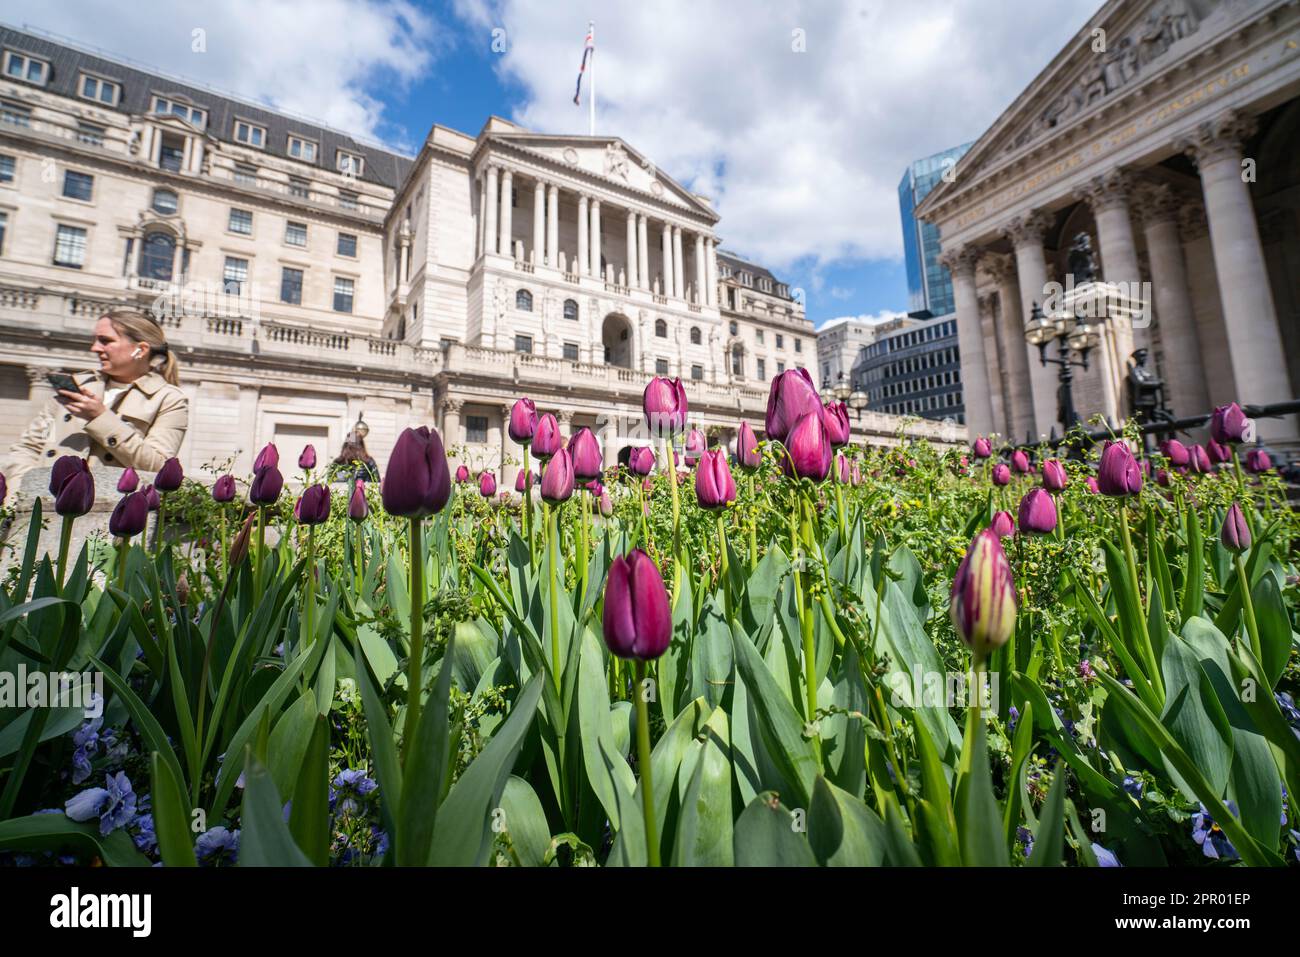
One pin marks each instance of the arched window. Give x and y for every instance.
(737, 360)
(157, 256)
(164, 202)
(695, 335)
(661, 329)
(571, 309)
(524, 300)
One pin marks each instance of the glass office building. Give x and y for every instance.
(929, 287)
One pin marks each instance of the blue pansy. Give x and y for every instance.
(145, 839)
(351, 786)
(1104, 857)
(1205, 832)
(1132, 786)
(217, 845)
(113, 804)
(1013, 716)
(1025, 837)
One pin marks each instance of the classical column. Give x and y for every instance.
(631, 250)
(451, 434)
(584, 256)
(1255, 349)
(1009, 326)
(701, 294)
(482, 224)
(1184, 375)
(539, 223)
(710, 273)
(1026, 235)
(594, 240)
(506, 472)
(679, 278)
(1107, 195)
(642, 252)
(507, 213)
(974, 369)
(553, 227)
(490, 212)
(993, 361)
(668, 259)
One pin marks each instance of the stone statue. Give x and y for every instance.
(1146, 391)
(1080, 263)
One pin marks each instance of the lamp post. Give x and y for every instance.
(857, 402)
(1072, 334)
(840, 391)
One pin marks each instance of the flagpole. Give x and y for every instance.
(591, 106)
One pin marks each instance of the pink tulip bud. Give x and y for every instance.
(983, 601)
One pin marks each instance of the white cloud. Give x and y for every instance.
(802, 152)
(323, 59)
(885, 315)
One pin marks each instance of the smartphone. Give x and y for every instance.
(62, 381)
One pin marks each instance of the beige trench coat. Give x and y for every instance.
(143, 431)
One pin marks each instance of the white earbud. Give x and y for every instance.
(137, 354)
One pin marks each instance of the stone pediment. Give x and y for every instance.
(610, 159)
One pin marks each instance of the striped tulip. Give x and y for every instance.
(983, 604)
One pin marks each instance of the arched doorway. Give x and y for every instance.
(616, 336)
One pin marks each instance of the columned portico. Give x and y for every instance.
(1010, 325)
(642, 252)
(583, 266)
(539, 223)
(631, 251)
(490, 211)
(974, 368)
(594, 240)
(507, 213)
(1026, 235)
(667, 242)
(679, 277)
(553, 226)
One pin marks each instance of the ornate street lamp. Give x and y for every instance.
(1073, 334)
(857, 402)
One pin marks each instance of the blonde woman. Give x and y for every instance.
(128, 413)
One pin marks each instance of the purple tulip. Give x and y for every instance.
(358, 507)
(1229, 424)
(665, 406)
(546, 440)
(835, 416)
(1163, 479)
(1236, 533)
(170, 476)
(1118, 474)
(1020, 461)
(842, 469)
(417, 482)
(983, 448)
(856, 474)
(269, 457)
(1175, 452)
(1091, 483)
(523, 421)
(266, 487)
(223, 489)
(1037, 512)
(747, 453)
(1001, 474)
(595, 487)
(1218, 453)
(152, 497)
(66, 466)
(558, 478)
(1003, 525)
(1200, 460)
(130, 516)
(641, 460)
(696, 443)
(1257, 461)
(1055, 478)
(4, 488)
(77, 495)
(313, 505)
(637, 618)
(714, 486)
(462, 474)
(791, 397)
(129, 480)
(307, 460)
(487, 484)
(523, 477)
(606, 504)
(983, 603)
(808, 449)
(588, 461)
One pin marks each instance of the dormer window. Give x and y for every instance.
(349, 164)
(190, 114)
(301, 149)
(20, 66)
(250, 135)
(100, 90)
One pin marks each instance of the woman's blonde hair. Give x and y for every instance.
(141, 327)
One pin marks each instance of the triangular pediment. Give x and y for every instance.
(610, 159)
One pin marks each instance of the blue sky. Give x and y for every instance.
(796, 118)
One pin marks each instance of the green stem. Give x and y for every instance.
(259, 576)
(415, 666)
(753, 526)
(671, 459)
(1144, 638)
(65, 541)
(643, 763)
(359, 556)
(528, 505)
(553, 530)
(722, 551)
(123, 546)
(803, 598)
(584, 545)
(839, 504)
(309, 593)
(1248, 607)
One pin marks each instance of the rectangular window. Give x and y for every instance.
(14, 114)
(347, 199)
(780, 341)
(171, 154)
(241, 221)
(19, 66)
(245, 175)
(295, 234)
(4, 225)
(523, 343)
(104, 91)
(347, 245)
(299, 187)
(190, 114)
(759, 336)
(661, 367)
(476, 427)
(90, 134)
(70, 247)
(343, 294)
(6, 169)
(571, 351)
(697, 372)
(291, 286)
(798, 345)
(78, 185)
(780, 367)
(235, 275)
(301, 149)
(762, 369)
(349, 164)
(249, 135)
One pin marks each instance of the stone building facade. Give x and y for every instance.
(1153, 164)
(308, 280)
